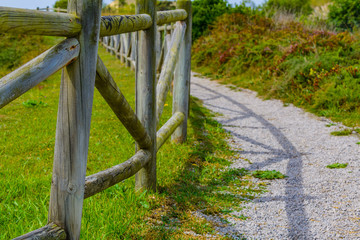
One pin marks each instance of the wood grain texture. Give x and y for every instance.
(166, 74)
(50, 231)
(73, 123)
(181, 92)
(32, 73)
(168, 128)
(112, 25)
(164, 17)
(24, 21)
(145, 179)
(122, 109)
(102, 180)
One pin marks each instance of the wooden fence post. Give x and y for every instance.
(146, 91)
(73, 123)
(182, 75)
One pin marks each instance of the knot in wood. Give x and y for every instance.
(71, 188)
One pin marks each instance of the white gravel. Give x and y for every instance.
(313, 202)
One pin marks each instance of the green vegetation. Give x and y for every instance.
(337, 165)
(62, 4)
(345, 132)
(318, 70)
(191, 177)
(345, 14)
(290, 6)
(18, 49)
(205, 13)
(268, 174)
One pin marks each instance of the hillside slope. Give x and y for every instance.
(316, 69)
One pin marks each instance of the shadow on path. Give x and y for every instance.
(294, 199)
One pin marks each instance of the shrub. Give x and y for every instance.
(345, 14)
(206, 11)
(291, 6)
(61, 4)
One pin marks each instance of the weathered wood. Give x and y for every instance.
(166, 74)
(122, 48)
(182, 75)
(145, 92)
(165, 27)
(128, 53)
(168, 128)
(17, 20)
(164, 50)
(32, 73)
(170, 16)
(50, 231)
(73, 124)
(112, 25)
(133, 54)
(122, 109)
(102, 180)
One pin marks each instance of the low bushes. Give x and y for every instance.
(318, 70)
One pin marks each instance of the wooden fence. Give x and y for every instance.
(82, 70)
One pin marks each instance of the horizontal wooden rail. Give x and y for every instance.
(122, 109)
(112, 25)
(168, 128)
(17, 20)
(166, 74)
(53, 9)
(102, 180)
(164, 17)
(50, 231)
(24, 21)
(29, 75)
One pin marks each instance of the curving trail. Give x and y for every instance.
(313, 202)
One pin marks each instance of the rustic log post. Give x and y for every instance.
(182, 75)
(73, 123)
(128, 50)
(146, 91)
(118, 46)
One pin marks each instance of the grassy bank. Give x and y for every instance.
(191, 177)
(314, 69)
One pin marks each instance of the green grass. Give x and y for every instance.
(268, 174)
(344, 132)
(337, 165)
(191, 176)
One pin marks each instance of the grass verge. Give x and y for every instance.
(192, 177)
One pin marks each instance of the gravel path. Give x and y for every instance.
(314, 202)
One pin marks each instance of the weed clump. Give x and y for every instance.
(269, 175)
(345, 132)
(337, 165)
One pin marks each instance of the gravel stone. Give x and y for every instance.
(313, 202)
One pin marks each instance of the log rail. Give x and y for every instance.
(155, 44)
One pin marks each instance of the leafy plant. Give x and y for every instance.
(34, 103)
(337, 165)
(206, 11)
(61, 4)
(345, 14)
(267, 174)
